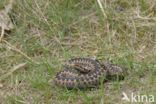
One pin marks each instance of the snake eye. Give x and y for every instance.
(91, 78)
(85, 82)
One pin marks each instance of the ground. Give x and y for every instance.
(48, 32)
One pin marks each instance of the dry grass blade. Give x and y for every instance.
(101, 7)
(19, 51)
(2, 34)
(12, 70)
(82, 18)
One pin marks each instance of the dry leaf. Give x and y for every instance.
(5, 21)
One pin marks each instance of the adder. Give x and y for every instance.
(86, 73)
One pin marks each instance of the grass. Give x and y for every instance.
(50, 31)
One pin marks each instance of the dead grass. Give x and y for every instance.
(50, 31)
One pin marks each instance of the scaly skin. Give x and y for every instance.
(84, 73)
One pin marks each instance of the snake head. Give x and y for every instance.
(113, 70)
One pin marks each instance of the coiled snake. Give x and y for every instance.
(85, 73)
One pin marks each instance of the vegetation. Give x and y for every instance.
(51, 31)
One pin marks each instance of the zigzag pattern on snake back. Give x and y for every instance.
(83, 73)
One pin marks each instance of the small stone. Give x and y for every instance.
(1, 85)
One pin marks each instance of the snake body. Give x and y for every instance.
(84, 73)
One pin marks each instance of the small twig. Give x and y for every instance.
(19, 51)
(2, 33)
(12, 70)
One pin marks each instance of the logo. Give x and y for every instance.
(137, 97)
